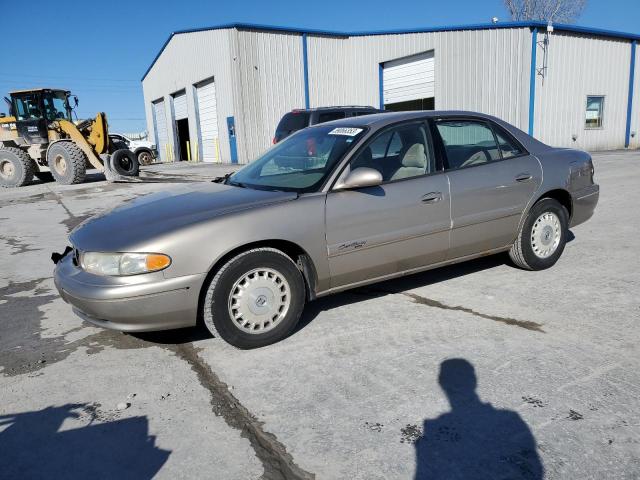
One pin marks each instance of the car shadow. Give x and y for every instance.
(33, 445)
(474, 439)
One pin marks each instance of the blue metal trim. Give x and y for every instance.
(305, 67)
(449, 28)
(632, 71)
(381, 83)
(532, 79)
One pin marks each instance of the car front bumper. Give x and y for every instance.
(584, 204)
(138, 303)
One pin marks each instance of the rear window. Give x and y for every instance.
(292, 122)
(329, 116)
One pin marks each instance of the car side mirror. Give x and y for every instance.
(359, 178)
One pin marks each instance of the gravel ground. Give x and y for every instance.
(527, 374)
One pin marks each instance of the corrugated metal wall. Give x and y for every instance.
(481, 70)
(187, 60)
(259, 77)
(635, 117)
(579, 66)
(272, 83)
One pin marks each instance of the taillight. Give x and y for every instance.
(275, 140)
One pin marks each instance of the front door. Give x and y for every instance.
(400, 225)
(492, 179)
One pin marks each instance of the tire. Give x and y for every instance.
(145, 157)
(67, 162)
(16, 167)
(274, 273)
(542, 237)
(125, 163)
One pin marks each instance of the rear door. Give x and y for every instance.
(400, 225)
(492, 179)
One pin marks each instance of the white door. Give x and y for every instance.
(410, 78)
(208, 122)
(180, 106)
(160, 125)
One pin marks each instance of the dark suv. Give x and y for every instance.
(298, 119)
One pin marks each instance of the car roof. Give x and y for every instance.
(335, 107)
(376, 121)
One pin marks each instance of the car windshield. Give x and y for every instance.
(301, 162)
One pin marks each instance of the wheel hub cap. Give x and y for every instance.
(60, 164)
(259, 300)
(545, 235)
(6, 169)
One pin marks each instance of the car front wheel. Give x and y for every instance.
(542, 237)
(254, 299)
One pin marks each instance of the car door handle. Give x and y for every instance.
(523, 177)
(431, 197)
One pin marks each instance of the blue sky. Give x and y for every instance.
(101, 54)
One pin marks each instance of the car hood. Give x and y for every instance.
(149, 216)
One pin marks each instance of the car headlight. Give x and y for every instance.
(120, 264)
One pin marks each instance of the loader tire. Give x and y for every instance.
(16, 167)
(125, 163)
(67, 162)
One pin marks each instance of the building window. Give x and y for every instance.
(595, 112)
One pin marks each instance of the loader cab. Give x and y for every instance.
(36, 109)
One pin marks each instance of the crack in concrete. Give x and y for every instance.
(277, 463)
(526, 324)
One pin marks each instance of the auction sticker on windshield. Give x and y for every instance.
(349, 132)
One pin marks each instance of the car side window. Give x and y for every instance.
(402, 152)
(508, 148)
(467, 142)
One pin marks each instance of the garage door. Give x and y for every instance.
(208, 121)
(180, 106)
(409, 81)
(160, 125)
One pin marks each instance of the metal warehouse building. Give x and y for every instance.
(223, 89)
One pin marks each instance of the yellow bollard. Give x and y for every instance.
(188, 151)
(197, 152)
(217, 151)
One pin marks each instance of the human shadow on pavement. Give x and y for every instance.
(32, 446)
(474, 440)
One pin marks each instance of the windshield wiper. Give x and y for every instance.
(222, 179)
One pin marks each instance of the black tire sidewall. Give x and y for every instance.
(240, 266)
(134, 166)
(545, 205)
(73, 169)
(19, 168)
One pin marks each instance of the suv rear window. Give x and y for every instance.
(329, 116)
(292, 122)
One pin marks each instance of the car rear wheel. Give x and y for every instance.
(254, 299)
(542, 237)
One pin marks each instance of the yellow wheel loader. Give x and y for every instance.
(40, 138)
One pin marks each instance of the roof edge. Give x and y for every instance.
(449, 28)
